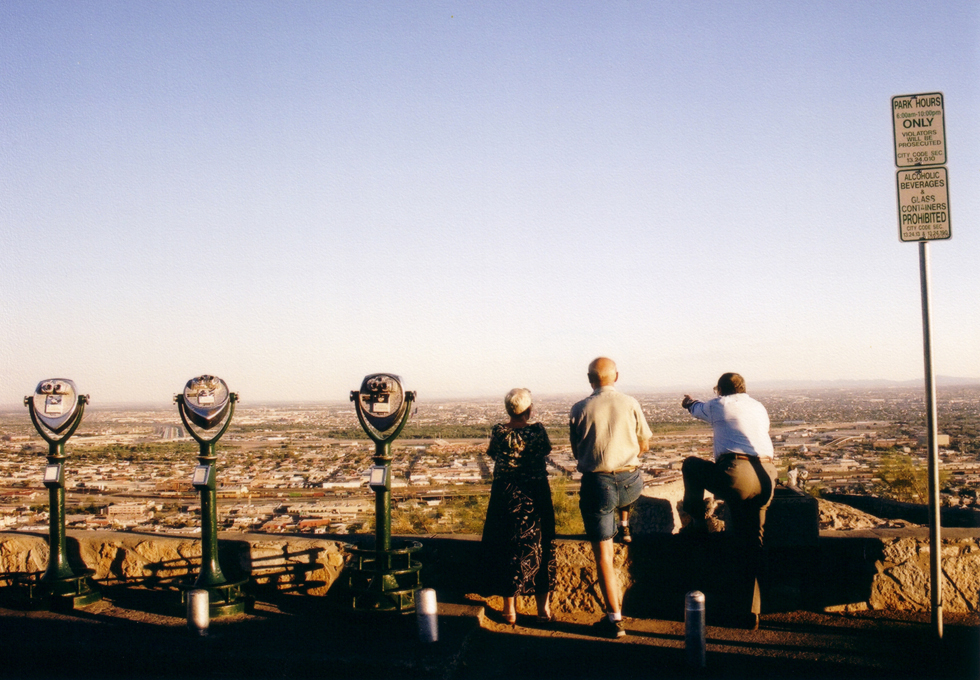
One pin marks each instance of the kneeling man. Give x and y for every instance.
(742, 474)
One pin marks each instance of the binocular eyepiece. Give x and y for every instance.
(381, 384)
(55, 402)
(381, 400)
(206, 399)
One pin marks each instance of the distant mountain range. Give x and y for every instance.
(778, 385)
(941, 381)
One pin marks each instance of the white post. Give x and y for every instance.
(694, 634)
(198, 613)
(426, 614)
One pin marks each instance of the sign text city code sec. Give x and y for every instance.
(920, 129)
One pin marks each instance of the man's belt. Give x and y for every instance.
(615, 472)
(735, 456)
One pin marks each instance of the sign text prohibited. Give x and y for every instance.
(923, 204)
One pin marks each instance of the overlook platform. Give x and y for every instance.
(133, 633)
(845, 618)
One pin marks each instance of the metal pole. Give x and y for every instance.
(58, 567)
(210, 574)
(382, 502)
(935, 538)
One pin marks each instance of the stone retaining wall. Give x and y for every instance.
(287, 563)
(898, 561)
(884, 569)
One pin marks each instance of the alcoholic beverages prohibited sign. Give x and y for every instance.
(919, 125)
(923, 204)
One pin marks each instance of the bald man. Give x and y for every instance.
(608, 431)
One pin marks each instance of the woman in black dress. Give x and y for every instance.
(520, 529)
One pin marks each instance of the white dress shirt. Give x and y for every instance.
(740, 424)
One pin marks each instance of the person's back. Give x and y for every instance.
(607, 431)
(519, 531)
(519, 453)
(742, 474)
(604, 426)
(740, 424)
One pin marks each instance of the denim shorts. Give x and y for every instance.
(601, 495)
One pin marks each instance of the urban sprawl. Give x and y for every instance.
(303, 468)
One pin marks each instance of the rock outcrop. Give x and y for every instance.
(861, 568)
(838, 517)
(284, 563)
(901, 577)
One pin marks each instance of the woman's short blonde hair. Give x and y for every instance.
(517, 401)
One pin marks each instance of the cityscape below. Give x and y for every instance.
(304, 468)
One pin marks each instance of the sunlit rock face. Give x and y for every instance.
(894, 562)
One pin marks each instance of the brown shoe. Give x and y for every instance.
(695, 528)
(608, 629)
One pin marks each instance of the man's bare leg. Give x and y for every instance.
(510, 609)
(608, 581)
(612, 624)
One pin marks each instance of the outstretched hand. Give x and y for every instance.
(687, 401)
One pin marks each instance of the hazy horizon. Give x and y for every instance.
(292, 196)
(702, 391)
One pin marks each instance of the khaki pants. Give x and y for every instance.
(746, 486)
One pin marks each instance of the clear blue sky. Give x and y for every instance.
(476, 196)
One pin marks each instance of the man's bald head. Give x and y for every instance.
(602, 372)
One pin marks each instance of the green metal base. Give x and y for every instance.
(388, 601)
(222, 609)
(34, 592)
(69, 602)
(384, 583)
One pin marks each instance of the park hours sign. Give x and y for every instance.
(919, 126)
(920, 129)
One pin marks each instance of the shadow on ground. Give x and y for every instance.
(139, 633)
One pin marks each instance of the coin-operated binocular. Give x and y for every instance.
(204, 403)
(383, 578)
(56, 408)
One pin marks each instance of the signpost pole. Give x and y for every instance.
(919, 130)
(935, 528)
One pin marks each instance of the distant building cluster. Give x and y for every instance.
(304, 468)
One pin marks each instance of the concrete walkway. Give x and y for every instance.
(136, 633)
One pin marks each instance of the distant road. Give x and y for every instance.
(285, 495)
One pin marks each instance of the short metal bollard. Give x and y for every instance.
(426, 614)
(198, 613)
(694, 633)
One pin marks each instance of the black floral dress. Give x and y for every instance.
(518, 536)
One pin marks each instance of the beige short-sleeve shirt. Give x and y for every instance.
(606, 429)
